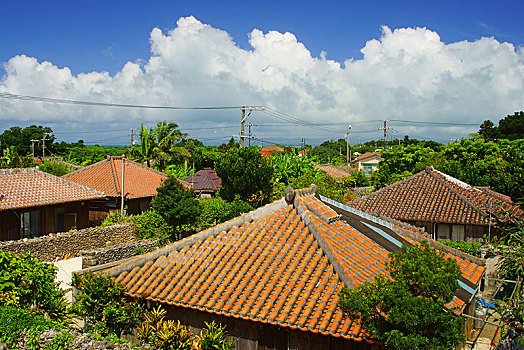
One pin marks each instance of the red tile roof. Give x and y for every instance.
(273, 148)
(367, 155)
(24, 188)
(282, 264)
(106, 175)
(431, 195)
(332, 171)
(204, 180)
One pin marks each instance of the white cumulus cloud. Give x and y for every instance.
(406, 74)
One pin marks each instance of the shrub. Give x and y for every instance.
(217, 210)
(472, 248)
(54, 168)
(14, 320)
(164, 334)
(214, 337)
(151, 225)
(176, 205)
(102, 302)
(26, 282)
(115, 218)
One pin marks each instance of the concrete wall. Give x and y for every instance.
(106, 255)
(66, 245)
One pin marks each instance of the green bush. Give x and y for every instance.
(115, 218)
(102, 302)
(217, 210)
(151, 225)
(164, 335)
(26, 282)
(472, 248)
(55, 168)
(214, 337)
(14, 320)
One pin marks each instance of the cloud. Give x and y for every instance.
(407, 73)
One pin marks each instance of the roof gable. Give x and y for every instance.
(24, 188)
(282, 264)
(106, 175)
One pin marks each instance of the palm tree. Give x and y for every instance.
(159, 144)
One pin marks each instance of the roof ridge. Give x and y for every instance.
(419, 238)
(467, 201)
(322, 243)
(83, 168)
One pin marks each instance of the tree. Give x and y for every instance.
(488, 131)
(246, 173)
(160, 144)
(407, 310)
(21, 138)
(512, 126)
(175, 204)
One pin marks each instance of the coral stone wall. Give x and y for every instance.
(65, 245)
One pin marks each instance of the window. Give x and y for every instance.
(70, 221)
(60, 225)
(30, 224)
(443, 231)
(457, 233)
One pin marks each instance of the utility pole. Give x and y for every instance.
(348, 153)
(43, 145)
(262, 142)
(249, 125)
(385, 128)
(242, 126)
(33, 147)
(122, 187)
(132, 137)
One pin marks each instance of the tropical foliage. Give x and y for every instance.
(407, 310)
(175, 204)
(27, 283)
(102, 302)
(244, 172)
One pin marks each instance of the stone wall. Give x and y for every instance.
(106, 255)
(65, 245)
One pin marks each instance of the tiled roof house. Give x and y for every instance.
(33, 203)
(270, 150)
(140, 184)
(333, 171)
(204, 182)
(446, 207)
(367, 162)
(273, 275)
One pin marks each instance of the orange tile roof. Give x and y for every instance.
(332, 171)
(367, 155)
(273, 148)
(282, 264)
(24, 188)
(431, 195)
(106, 175)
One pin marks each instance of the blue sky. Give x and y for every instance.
(101, 36)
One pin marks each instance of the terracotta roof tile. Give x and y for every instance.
(106, 176)
(434, 196)
(281, 264)
(332, 171)
(23, 188)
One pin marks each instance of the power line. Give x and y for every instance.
(7, 95)
(432, 123)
